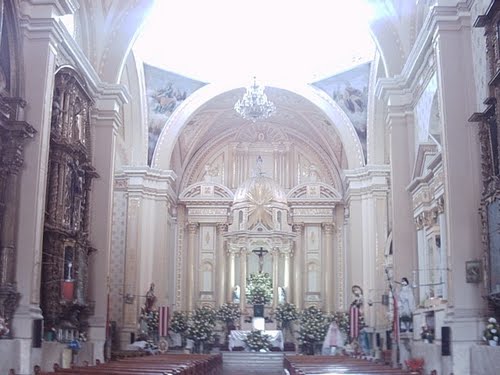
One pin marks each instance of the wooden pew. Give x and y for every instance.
(333, 365)
(168, 364)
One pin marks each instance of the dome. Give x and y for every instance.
(260, 190)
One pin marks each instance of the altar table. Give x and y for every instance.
(236, 338)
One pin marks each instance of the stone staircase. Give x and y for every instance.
(245, 363)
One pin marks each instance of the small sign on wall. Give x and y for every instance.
(473, 271)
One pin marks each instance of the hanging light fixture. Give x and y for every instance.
(254, 105)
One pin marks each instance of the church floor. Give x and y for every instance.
(244, 363)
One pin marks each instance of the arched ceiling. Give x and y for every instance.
(216, 123)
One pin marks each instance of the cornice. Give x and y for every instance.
(406, 88)
(144, 181)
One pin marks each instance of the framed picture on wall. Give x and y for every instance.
(473, 271)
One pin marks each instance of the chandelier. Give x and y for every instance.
(254, 104)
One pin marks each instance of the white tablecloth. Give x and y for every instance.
(236, 338)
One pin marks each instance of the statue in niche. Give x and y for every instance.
(74, 194)
(210, 172)
(150, 299)
(236, 294)
(313, 173)
(281, 295)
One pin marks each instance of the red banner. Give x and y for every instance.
(163, 323)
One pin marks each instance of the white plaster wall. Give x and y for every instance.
(481, 71)
(423, 112)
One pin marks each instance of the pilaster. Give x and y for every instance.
(298, 266)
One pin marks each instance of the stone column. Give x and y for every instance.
(298, 266)
(243, 278)
(231, 275)
(287, 254)
(190, 266)
(461, 152)
(400, 119)
(328, 286)
(276, 257)
(220, 269)
(106, 120)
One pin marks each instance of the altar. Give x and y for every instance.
(236, 338)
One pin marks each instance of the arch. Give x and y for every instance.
(176, 122)
(326, 192)
(388, 40)
(194, 192)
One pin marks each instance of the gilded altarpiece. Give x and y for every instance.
(489, 138)
(66, 246)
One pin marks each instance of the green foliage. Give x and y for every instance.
(286, 313)
(179, 322)
(151, 318)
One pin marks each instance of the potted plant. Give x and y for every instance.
(491, 334)
(285, 314)
(313, 327)
(415, 365)
(179, 324)
(228, 313)
(201, 328)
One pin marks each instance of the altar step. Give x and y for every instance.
(249, 363)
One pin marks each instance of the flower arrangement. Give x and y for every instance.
(179, 322)
(201, 325)
(427, 333)
(286, 313)
(342, 320)
(151, 318)
(255, 340)
(4, 330)
(491, 332)
(259, 289)
(313, 326)
(228, 313)
(415, 364)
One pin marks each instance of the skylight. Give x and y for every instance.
(225, 41)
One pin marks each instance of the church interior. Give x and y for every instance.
(160, 162)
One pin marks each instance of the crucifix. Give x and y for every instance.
(260, 253)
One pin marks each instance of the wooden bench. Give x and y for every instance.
(333, 365)
(167, 364)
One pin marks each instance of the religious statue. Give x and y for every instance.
(356, 312)
(260, 253)
(236, 294)
(281, 295)
(406, 306)
(150, 298)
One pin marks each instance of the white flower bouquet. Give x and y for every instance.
(228, 313)
(491, 332)
(259, 290)
(286, 313)
(255, 340)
